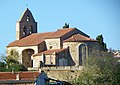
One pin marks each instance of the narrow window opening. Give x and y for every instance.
(24, 31)
(31, 30)
(27, 18)
(51, 47)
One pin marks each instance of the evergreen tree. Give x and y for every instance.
(66, 25)
(100, 40)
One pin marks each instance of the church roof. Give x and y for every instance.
(31, 40)
(37, 38)
(78, 38)
(61, 32)
(51, 51)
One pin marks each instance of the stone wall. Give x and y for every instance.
(94, 48)
(42, 47)
(36, 61)
(73, 49)
(53, 43)
(63, 73)
(50, 59)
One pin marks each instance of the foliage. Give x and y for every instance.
(66, 25)
(2, 58)
(13, 65)
(2, 66)
(100, 40)
(11, 62)
(100, 71)
(13, 54)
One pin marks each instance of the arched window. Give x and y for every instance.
(31, 30)
(27, 18)
(24, 31)
(26, 57)
(82, 54)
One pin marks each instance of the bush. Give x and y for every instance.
(2, 67)
(100, 71)
(11, 62)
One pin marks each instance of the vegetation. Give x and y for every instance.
(11, 62)
(100, 71)
(2, 66)
(100, 40)
(66, 25)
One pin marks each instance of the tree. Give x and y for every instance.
(100, 40)
(13, 65)
(66, 25)
(2, 66)
(11, 62)
(100, 71)
(2, 57)
(13, 54)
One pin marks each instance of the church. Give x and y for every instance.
(63, 47)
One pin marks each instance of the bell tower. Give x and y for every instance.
(26, 25)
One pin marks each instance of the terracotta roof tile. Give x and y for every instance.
(37, 38)
(61, 32)
(51, 51)
(78, 38)
(31, 40)
(23, 75)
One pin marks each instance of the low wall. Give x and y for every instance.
(67, 73)
(63, 68)
(62, 73)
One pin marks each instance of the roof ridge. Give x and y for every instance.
(61, 32)
(78, 37)
(45, 32)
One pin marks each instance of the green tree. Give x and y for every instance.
(13, 54)
(2, 58)
(2, 66)
(100, 40)
(13, 65)
(2, 63)
(100, 71)
(12, 62)
(66, 25)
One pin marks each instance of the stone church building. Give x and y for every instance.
(63, 47)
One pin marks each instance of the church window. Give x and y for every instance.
(27, 18)
(31, 30)
(24, 30)
(82, 54)
(50, 47)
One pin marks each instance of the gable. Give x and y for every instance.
(23, 18)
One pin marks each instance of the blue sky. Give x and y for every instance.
(93, 17)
